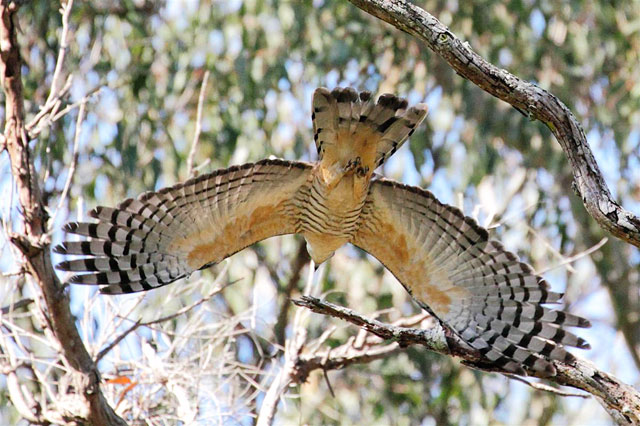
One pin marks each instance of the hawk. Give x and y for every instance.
(445, 260)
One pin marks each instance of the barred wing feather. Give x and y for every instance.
(470, 283)
(163, 236)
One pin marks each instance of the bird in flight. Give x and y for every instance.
(446, 261)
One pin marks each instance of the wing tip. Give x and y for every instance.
(65, 265)
(71, 227)
(61, 248)
(321, 92)
(582, 344)
(365, 96)
(583, 323)
(113, 290)
(95, 212)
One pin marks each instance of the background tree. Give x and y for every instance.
(123, 97)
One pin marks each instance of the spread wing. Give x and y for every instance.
(163, 236)
(472, 284)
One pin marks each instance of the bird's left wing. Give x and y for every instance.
(472, 284)
(163, 236)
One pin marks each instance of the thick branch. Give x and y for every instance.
(526, 98)
(32, 241)
(620, 400)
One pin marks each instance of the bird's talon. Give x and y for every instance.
(362, 171)
(353, 164)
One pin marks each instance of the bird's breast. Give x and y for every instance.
(330, 216)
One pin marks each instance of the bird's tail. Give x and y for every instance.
(386, 123)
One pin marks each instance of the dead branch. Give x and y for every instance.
(529, 99)
(32, 242)
(620, 400)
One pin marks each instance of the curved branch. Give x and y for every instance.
(527, 98)
(32, 241)
(620, 400)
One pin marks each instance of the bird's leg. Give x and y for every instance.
(333, 174)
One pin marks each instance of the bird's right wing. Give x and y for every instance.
(162, 236)
(472, 284)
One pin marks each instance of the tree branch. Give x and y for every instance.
(529, 99)
(620, 400)
(32, 241)
(292, 351)
(198, 129)
(302, 258)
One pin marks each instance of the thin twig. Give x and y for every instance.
(301, 259)
(65, 11)
(166, 318)
(56, 91)
(50, 114)
(326, 379)
(578, 256)
(547, 388)
(12, 273)
(17, 305)
(552, 249)
(198, 130)
(72, 167)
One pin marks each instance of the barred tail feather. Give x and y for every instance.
(344, 110)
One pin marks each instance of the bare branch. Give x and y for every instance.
(578, 256)
(166, 318)
(65, 11)
(527, 98)
(198, 130)
(433, 338)
(50, 113)
(301, 259)
(292, 352)
(619, 399)
(74, 162)
(57, 90)
(17, 305)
